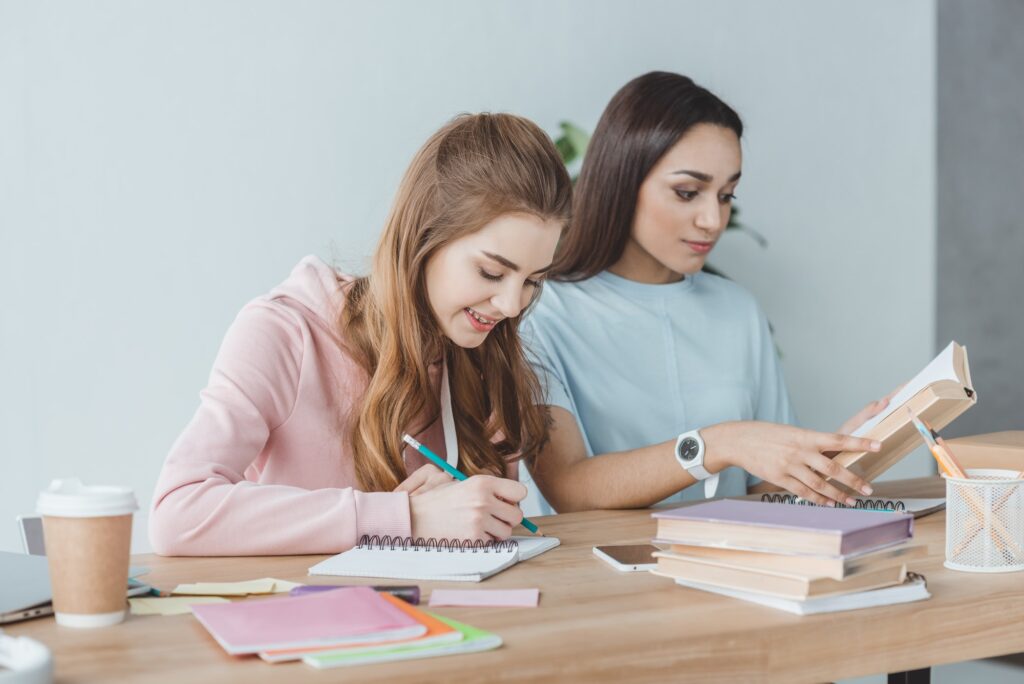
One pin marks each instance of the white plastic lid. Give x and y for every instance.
(26, 661)
(69, 498)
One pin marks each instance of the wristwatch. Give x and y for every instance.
(690, 454)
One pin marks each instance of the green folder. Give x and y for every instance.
(473, 641)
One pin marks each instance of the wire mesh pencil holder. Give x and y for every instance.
(985, 521)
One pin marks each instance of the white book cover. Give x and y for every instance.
(914, 589)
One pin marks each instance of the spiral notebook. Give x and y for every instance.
(432, 559)
(916, 507)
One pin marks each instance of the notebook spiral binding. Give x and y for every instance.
(869, 504)
(386, 541)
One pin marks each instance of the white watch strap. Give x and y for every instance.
(711, 486)
(710, 479)
(698, 471)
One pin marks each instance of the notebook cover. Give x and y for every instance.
(474, 640)
(356, 614)
(862, 528)
(437, 633)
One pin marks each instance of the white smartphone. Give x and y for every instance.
(628, 557)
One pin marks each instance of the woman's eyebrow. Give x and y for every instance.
(705, 177)
(512, 265)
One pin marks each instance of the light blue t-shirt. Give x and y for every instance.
(637, 364)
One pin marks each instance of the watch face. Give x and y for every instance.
(688, 449)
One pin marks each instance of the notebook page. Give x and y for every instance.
(940, 368)
(425, 564)
(534, 546)
(421, 564)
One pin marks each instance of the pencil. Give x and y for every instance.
(947, 464)
(454, 472)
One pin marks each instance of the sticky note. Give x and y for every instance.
(283, 586)
(518, 598)
(173, 605)
(260, 586)
(267, 585)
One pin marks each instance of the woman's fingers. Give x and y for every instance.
(832, 470)
(424, 479)
(797, 487)
(865, 414)
(508, 513)
(413, 482)
(820, 490)
(498, 528)
(825, 442)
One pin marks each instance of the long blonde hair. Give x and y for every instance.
(473, 170)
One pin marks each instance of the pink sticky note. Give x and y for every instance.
(519, 598)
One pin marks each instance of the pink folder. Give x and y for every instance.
(351, 615)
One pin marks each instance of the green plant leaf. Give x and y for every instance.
(577, 137)
(565, 149)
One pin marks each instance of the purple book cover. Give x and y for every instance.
(859, 529)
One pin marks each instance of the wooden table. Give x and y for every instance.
(593, 624)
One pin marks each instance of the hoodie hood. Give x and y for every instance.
(314, 285)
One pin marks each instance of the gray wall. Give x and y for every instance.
(163, 162)
(980, 152)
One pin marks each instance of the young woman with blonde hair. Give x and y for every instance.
(297, 447)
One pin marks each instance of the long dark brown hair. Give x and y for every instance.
(473, 170)
(644, 119)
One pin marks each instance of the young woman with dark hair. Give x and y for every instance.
(667, 374)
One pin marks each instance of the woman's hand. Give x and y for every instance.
(867, 413)
(425, 478)
(790, 457)
(482, 507)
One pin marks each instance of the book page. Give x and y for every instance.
(940, 368)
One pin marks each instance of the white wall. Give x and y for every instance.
(162, 163)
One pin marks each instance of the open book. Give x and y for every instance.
(939, 393)
(433, 559)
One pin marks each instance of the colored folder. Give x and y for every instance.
(437, 633)
(346, 616)
(473, 640)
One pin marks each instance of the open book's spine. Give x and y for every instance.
(382, 542)
(869, 504)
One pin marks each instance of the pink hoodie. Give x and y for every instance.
(264, 467)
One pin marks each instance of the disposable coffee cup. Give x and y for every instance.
(88, 534)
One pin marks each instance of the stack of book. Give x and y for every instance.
(342, 627)
(801, 559)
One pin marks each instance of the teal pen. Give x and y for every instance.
(454, 472)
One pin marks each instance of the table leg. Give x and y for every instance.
(922, 676)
